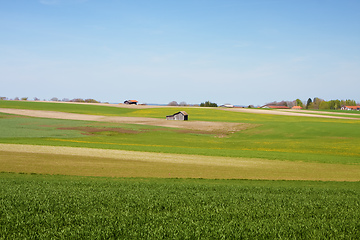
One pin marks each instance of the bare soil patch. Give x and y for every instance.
(91, 130)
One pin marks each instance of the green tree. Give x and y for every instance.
(309, 102)
(90, 100)
(208, 104)
(349, 102)
(324, 105)
(173, 103)
(334, 104)
(77, 100)
(316, 103)
(299, 103)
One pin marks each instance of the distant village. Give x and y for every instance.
(316, 103)
(297, 104)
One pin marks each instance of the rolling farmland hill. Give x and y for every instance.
(129, 173)
(243, 144)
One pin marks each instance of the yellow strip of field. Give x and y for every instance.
(119, 163)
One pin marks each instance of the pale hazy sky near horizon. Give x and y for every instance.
(225, 51)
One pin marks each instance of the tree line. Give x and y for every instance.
(316, 103)
(319, 103)
(54, 99)
(203, 104)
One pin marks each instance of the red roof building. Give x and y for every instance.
(131, 102)
(350, 108)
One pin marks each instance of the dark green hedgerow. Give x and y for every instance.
(61, 207)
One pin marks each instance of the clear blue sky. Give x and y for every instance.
(225, 51)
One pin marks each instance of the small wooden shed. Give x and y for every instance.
(182, 116)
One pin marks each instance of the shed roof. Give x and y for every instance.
(183, 112)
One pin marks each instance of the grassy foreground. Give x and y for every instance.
(62, 207)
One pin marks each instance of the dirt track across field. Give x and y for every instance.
(292, 113)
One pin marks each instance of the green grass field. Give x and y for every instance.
(275, 137)
(62, 207)
(60, 107)
(177, 206)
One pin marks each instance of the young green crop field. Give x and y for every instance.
(64, 207)
(133, 181)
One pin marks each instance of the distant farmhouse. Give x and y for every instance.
(296, 107)
(357, 108)
(275, 107)
(227, 105)
(131, 102)
(182, 115)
